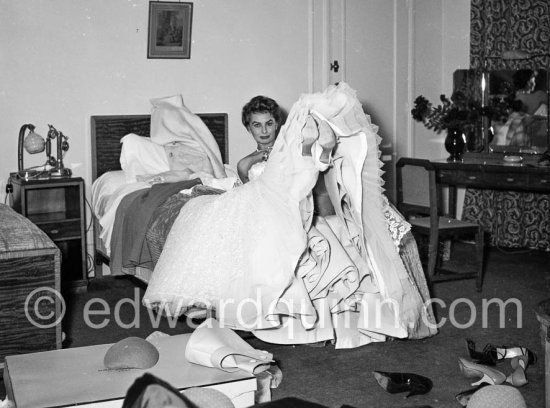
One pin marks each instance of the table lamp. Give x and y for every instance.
(33, 143)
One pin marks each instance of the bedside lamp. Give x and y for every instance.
(33, 143)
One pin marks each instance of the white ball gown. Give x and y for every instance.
(259, 257)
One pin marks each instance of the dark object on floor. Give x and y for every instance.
(395, 383)
(149, 391)
(131, 352)
(481, 357)
(492, 354)
(291, 402)
(464, 396)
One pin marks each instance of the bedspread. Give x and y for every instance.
(133, 216)
(164, 216)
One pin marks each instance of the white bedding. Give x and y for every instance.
(178, 140)
(103, 188)
(111, 187)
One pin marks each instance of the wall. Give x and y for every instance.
(441, 45)
(439, 38)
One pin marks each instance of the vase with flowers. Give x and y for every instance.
(459, 115)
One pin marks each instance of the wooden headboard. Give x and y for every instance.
(107, 131)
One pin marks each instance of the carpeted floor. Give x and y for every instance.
(337, 377)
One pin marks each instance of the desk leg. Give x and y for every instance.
(452, 201)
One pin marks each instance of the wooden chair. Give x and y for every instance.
(427, 220)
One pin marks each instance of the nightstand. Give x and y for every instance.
(57, 206)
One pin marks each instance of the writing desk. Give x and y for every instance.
(493, 174)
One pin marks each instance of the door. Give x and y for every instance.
(361, 50)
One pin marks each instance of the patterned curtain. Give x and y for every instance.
(502, 25)
(513, 219)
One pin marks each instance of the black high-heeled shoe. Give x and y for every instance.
(492, 354)
(402, 382)
(481, 357)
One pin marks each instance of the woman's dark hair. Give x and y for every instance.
(260, 104)
(521, 77)
(517, 105)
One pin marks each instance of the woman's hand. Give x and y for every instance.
(247, 162)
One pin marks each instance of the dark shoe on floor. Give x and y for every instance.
(492, 354)
(395, 383)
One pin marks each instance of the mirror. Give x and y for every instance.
(517, 101)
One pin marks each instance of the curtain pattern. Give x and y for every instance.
(500, 25)
(513, 219)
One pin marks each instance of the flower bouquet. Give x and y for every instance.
(456, 112)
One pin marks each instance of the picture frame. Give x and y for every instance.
(169, 33)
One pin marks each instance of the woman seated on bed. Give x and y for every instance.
(526, 124)
(259, 257)
(261, 117)
(534, 102)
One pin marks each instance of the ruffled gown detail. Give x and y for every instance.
(258, 256)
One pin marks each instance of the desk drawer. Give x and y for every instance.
(540, 182)
(485, 180)
(460, 177)
(504, 180)
(61, 229)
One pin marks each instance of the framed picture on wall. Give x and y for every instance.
(169, 30)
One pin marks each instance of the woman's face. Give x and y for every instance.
(263, 128)
(532, 83)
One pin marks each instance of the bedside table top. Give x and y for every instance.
(45, 181)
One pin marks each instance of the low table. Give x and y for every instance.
(77, 376)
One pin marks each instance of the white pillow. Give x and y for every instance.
(140, 156)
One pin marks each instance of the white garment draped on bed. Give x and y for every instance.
(258, 256)
(180, 147)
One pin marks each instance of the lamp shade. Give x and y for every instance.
(34, 143)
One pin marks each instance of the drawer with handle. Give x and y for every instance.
(461, 177)
(540, 182)
(61, 229)
(507, 180)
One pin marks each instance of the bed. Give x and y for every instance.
(106, 133)
(261, 255)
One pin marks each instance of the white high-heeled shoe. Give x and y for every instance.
(517, 378)
(484, 373)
